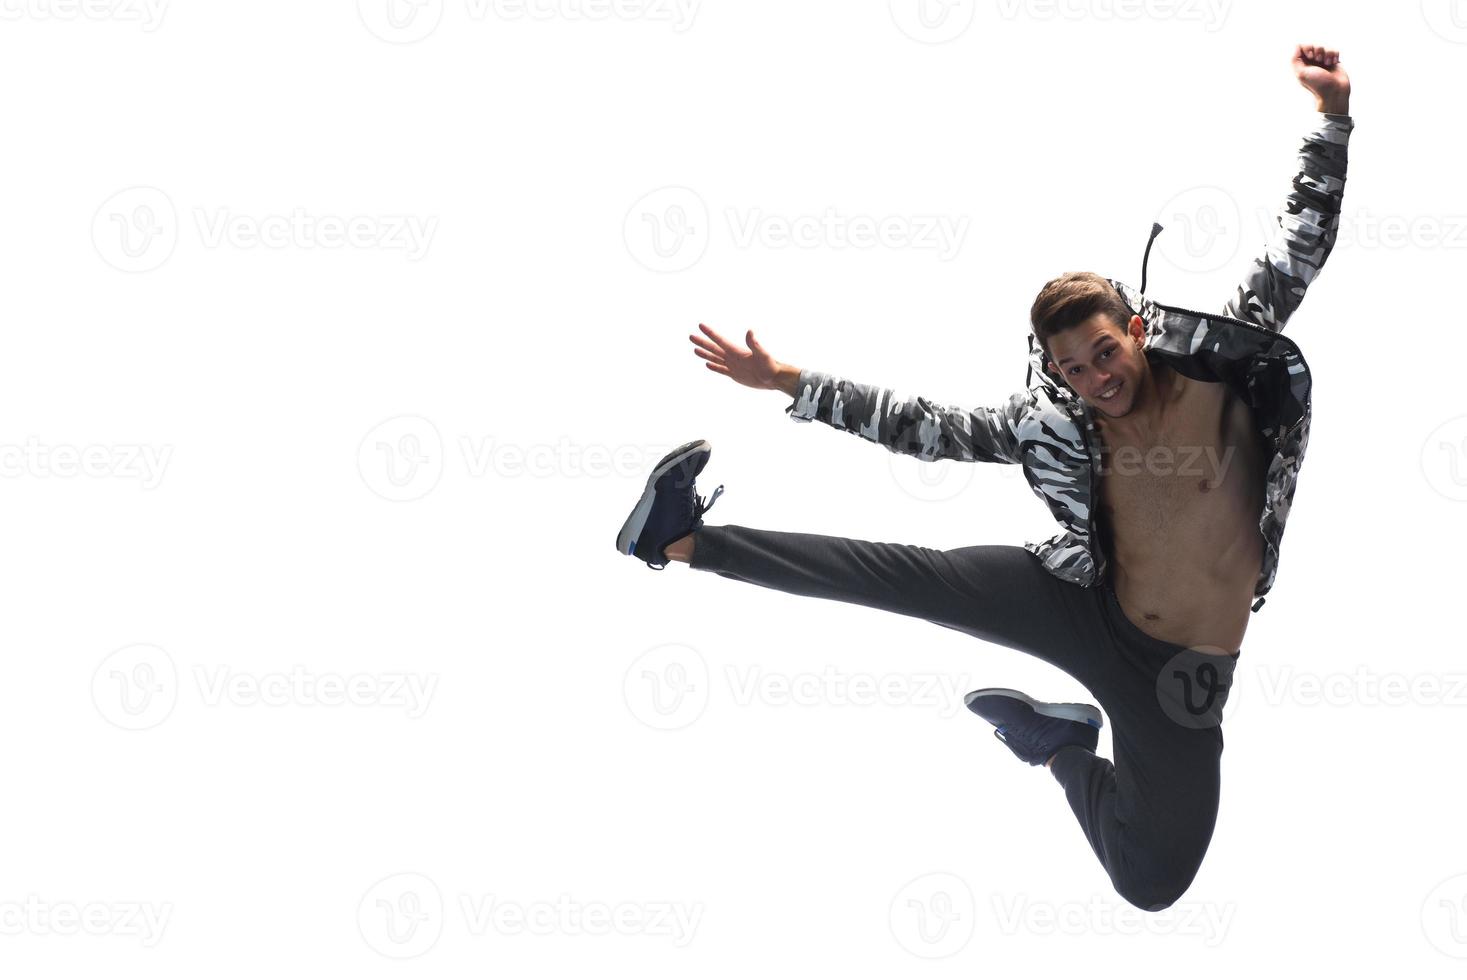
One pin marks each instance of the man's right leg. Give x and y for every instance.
(1149, 816)
(998, 593)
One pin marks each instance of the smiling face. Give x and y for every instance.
(1104, 364)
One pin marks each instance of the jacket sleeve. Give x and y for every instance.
(912, 426)
(1307, 225)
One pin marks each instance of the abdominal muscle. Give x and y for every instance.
(1181, 518)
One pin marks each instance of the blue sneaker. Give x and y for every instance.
(1035, 730)
(670, 506)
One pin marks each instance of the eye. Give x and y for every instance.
(1107, 352)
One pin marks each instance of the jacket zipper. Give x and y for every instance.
(1255, 328)
(1094, 499)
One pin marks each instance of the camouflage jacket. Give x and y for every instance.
(1050, 432)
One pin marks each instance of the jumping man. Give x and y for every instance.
(1166, 442)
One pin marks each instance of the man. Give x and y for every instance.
(1167, 444)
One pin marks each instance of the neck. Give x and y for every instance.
(1145, 411)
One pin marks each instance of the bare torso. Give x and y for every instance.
(1180, 509)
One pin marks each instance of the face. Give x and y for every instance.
(1098, 358)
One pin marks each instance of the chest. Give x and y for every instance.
(1204, 451)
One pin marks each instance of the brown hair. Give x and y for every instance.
(1070, 300)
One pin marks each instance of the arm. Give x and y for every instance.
(913, 426)
(1310, 216)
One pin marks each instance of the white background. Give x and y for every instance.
(173, 636)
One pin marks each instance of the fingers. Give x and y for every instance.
(754, 344)
(707, 345)
(714, 336)
(712, 358)
(718, 369)
(1317, 55)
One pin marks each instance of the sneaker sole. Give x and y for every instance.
(1083, 713)
(626, 539)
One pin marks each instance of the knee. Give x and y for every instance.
(1151, 893)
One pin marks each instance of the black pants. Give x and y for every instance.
(1148, 816)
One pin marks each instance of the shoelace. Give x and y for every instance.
(1001, 735)
(704, 506)
(1029, 748)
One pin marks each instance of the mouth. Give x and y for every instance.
(1110, 393)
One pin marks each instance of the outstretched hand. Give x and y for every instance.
(1318, 69)
(752, 366)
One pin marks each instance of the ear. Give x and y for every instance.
(1137, 329)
